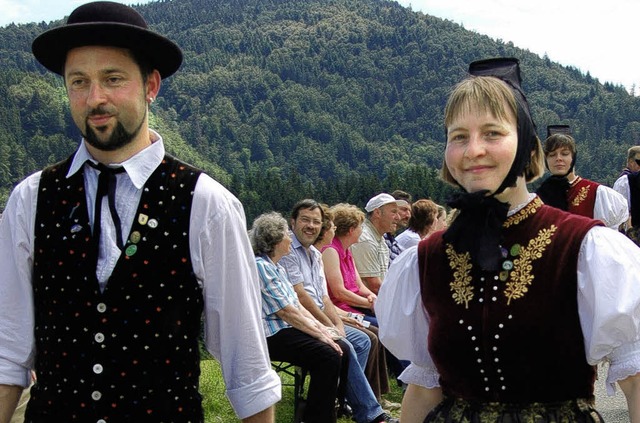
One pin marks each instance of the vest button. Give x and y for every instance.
(97, 368)
(99, 337)
(96, 395)
(102, 307)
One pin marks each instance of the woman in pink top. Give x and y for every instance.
(346, 289)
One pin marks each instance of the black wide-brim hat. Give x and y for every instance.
(106, 23)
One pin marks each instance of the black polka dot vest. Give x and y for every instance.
(129, 353)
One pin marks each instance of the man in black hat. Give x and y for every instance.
(111, 257)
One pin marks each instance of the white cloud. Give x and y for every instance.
(595, 39)
(25, 11)
(12, 11)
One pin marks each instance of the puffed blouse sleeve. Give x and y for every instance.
(609, 302)
(610, 207)
(403, 322)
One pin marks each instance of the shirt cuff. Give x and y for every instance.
(426, 377)
(256, 397)
(11, 374)
(624, 361)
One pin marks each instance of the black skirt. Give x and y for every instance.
(452, 410)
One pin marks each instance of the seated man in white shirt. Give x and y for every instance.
(304, 269)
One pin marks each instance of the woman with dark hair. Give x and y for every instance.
(566, 190)
(506, 314)
(293, 334)
(423, 221)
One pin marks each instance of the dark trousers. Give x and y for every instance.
(325, 367)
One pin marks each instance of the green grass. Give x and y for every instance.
(218, 410)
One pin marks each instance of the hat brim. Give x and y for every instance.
(50, 48)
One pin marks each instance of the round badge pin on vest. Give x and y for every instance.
(507, 265)
(131, 250)
(135, 237)
(142, 219)
(153, 223)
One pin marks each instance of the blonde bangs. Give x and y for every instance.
(483, 94)
(480, 93)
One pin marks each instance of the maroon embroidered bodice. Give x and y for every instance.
(514, 335)
(581, 197)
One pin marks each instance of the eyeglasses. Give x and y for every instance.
(305, 220)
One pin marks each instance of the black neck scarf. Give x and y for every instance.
(107, 183)
(553, 191)
(478, 228)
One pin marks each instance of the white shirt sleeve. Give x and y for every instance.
(17, 343)
(403, 322)
(609, 302)
(611, 207)
(225, 264)
(622, 186)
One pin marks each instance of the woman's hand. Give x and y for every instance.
(372, 299)
(351, 321)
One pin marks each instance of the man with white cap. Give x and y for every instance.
(371, 253)
(404, 214)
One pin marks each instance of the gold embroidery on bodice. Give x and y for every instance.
(520, 275)
(582, 194)
(461, 285)
(529, 210)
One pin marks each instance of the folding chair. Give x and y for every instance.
(299, 375)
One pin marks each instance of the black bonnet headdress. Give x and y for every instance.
(478, 227)
(553, 191)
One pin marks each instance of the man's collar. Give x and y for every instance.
(139, 167)
(295, 243)
(294, 240)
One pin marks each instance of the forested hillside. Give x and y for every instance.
(336, 99)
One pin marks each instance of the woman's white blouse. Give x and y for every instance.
(611, 207)
(608, 304)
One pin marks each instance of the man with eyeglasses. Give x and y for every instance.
(628, 184)
(306, 273)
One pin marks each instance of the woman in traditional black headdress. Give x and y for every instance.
(505, 315)
(566, 190)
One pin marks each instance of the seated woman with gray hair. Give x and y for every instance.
(293, 334)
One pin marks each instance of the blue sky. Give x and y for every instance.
(598, 37)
